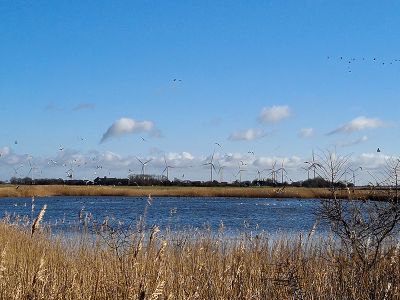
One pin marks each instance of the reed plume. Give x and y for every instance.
(36, 223)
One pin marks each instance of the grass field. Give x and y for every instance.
(245, 192)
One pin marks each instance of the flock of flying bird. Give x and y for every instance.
(350, 62)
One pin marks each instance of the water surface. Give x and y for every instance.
(289, 216)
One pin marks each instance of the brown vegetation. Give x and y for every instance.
(183, 266)
(245, 192)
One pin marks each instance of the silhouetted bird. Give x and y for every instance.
(378, 150)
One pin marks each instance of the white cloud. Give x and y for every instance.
(178, 159)
(358, 124)
(353, 142)
(125, 126)
(8, 157)
(289, 162)
(306, 132)
(372, 160)
(275, 113)
(247, 135)
(5, 151)
(111, 157)
(89, 165)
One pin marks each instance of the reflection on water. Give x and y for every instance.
(289, 216)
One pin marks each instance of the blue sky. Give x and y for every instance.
(69, 70)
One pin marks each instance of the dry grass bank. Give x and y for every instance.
(245, 192)
(180, 268)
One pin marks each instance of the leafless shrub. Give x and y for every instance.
(363, 227)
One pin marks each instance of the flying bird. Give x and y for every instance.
(143, 139)
(218, 144)
(378, 150)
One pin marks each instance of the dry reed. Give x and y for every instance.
(160, 191)
(188, 266)
(36, 222)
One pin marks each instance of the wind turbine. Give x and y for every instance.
(308, 172)
(312, 165)
(32, 168)
(259, 174)
(144, 164)
(240, 173)
(220, 172)
(283, 170)
(353, 171)
(211, 164)
(17, 168)
(167, 168)
(273, 172)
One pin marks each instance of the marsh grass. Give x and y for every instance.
(159, 191)
(159, 265)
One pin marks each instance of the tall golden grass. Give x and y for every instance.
(245, 192)
(187, 266)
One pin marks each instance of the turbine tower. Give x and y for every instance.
(312, 165)
(167, 168)
(211, 164)
(144, 164)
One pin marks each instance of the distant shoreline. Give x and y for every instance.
(161, 191)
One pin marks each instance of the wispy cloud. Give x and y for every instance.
(306, 132)
(353, 142)
(51, 107)
(274, 114)
(247, 135)
(84, 106)
(358, 124)
(126, 126)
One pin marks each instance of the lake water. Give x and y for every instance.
(290, 216)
